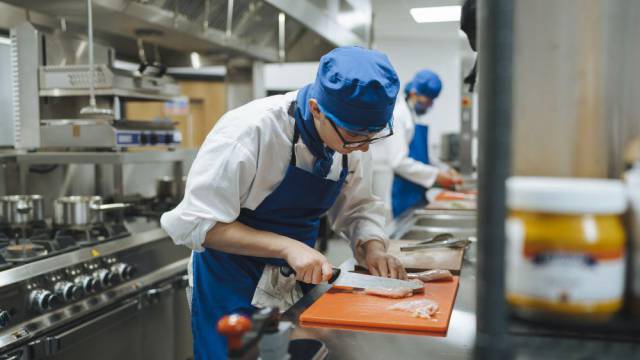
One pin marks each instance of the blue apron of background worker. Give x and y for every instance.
(406, 154)
(263, 178)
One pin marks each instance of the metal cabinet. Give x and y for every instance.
(157, 323)
(183, 346)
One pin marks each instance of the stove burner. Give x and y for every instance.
(149, 207)
(91, 235)
(23, 252)
(42, 241)
(83, 236)
(33, 229)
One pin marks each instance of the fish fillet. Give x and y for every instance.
(431, 275)
(423, 308)
(390, 293)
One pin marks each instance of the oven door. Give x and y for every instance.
(114, 334)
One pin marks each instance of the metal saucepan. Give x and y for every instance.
(80, 211)
(21, 209)
(165, 187)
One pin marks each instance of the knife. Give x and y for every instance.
(451, 243)
(351, 280)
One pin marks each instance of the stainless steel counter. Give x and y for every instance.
(345, 344)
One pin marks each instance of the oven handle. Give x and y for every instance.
(156, 294)
(56, 343)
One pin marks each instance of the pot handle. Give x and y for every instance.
(110, 207)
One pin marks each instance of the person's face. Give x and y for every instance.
(329, 132)
(421, 103)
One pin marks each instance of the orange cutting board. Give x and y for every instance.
(356, 311)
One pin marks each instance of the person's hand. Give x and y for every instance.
(453, 173)
(448, 179)
(380, 263)
(311, 266)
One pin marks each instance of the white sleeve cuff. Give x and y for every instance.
(193, 238)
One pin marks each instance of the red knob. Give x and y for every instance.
(233, 327)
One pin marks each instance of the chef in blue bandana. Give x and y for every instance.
(406, 154)
(262, 179)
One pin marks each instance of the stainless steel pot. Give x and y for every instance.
(165, 187)
(80, 211)
(21, 209)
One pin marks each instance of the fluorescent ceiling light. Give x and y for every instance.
(5, 40)
(436, 14)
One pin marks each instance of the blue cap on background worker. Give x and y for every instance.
(265, 175)
(406, 154)
(407, 88)
(426, 88)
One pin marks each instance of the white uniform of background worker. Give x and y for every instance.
(403, 169)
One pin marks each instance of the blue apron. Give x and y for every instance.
(224, 283)
(406, 194)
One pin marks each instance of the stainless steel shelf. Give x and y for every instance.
(94, 157)
(105, 92)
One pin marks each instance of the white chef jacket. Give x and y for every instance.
(245, 157)
(392, 153)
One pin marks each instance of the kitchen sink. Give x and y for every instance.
(446, 220)
(427, 223)
(426, 232)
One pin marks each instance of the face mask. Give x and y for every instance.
(420, 108)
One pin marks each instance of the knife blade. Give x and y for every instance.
(351, 280)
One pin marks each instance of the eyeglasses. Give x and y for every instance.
(356, 144)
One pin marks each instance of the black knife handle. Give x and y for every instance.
(287, 271)
(334, 276)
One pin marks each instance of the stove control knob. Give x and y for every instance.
(122, 271)
(85, 283)
(67, 291)
(54, 301)
(42, 300)
(103, 277)
(5, 317)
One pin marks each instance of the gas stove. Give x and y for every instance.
(84, 277)
(148, 207)
(25, 244)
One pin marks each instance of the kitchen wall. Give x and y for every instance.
(289, 76)
(443, 56)
(588, 68)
